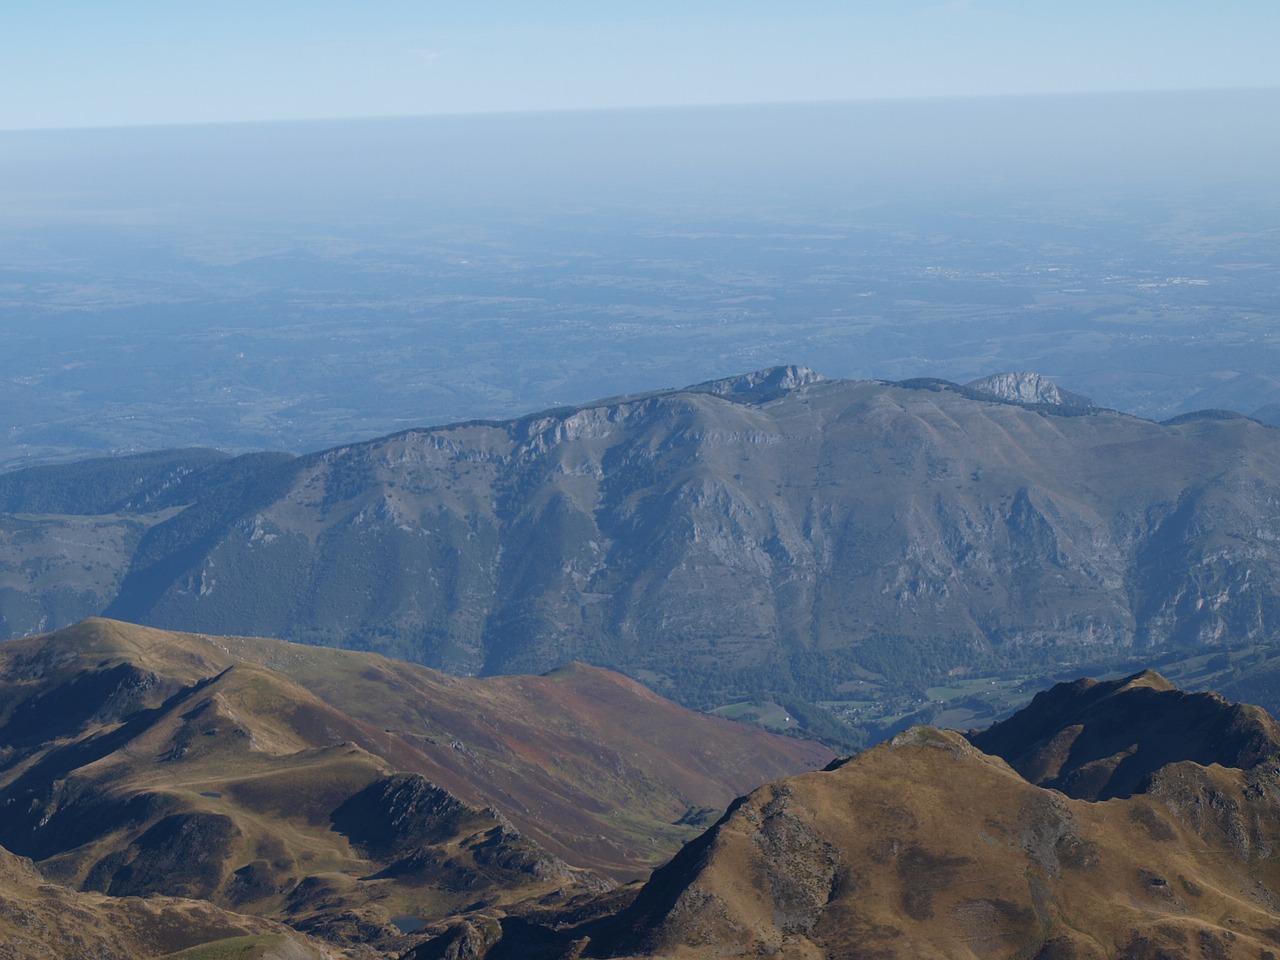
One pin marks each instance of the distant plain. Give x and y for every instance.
(298, 286)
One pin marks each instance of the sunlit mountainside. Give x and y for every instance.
(927, 846)
(197, 796)
(336, 791)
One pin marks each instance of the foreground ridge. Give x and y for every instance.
(926, 846)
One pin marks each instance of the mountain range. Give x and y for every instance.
(199, 797)
(775, 543)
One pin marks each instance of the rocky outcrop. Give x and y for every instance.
(762, 384)
(397, 814)
(40, 920)
(427, 837)
(1027, 387)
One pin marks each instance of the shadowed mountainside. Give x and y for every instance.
(336, 790)
(1097, 740)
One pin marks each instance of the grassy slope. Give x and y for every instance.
(42, 921)
(252, 744)
(926, 847)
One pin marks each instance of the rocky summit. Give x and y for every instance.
(1095, 740)
(1028, 387)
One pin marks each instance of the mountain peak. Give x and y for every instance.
(761, 384)
(1027, 387)
(1147, 678)
(1100, 739)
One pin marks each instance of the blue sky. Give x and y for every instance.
(75, 63)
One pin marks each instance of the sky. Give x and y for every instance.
(85, 63)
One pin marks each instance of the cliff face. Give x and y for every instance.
(1028, 387)
(769, 529)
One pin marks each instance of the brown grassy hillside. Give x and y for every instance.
(44, 921)
(337, 790)
(926, 847)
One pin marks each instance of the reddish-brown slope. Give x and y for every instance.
(135, 761)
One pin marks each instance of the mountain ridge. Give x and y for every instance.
(264, 781)
(1075, 739)
(926, 845)
(778, 539)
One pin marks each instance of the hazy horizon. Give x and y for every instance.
(298, 285)
(135, 62)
